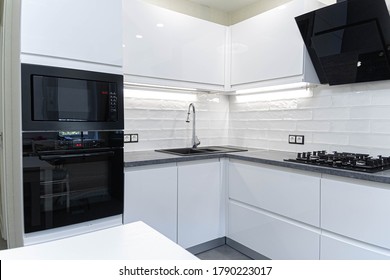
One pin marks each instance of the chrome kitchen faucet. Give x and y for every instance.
(195, 139)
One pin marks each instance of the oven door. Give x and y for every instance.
(68, 188)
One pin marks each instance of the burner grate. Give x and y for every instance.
(344, 160)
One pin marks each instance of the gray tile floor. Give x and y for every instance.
(223, 252)
(3, 244)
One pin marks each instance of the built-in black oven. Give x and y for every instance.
(71, 177)
(56, 98)
(72, 122)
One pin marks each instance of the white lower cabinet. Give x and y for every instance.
(272, 236)
(285, 192)
(356, 209)
(201, 202)
(341, 248)
(151, 197)
(183, 201)
(274, 211)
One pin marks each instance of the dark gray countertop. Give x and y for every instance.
(275, 158)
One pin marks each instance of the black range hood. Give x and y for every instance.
(348, 42)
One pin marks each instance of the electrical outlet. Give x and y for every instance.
(300, 139)
(296, 139)
(133, 138)
(126, 138)
(292, 139)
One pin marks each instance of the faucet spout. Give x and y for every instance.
(195, 139)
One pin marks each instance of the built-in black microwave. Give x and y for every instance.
(55, 99)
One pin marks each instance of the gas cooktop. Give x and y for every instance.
(344, 160)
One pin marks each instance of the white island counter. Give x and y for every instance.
(135, 241)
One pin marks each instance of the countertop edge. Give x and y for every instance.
(268, 157)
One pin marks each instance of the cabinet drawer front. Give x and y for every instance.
(336, 249)
(272, 237)
(357, 211)
(286, 193)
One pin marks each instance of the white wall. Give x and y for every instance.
(352, 118)
(161, 121)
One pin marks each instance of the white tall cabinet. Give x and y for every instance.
(71, 33)
(164, 47)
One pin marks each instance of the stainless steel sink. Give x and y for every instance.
(200, 150)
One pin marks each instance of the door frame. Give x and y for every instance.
(10, 109)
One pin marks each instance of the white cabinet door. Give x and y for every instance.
(281, 191)
(359, 210)
(169, 48)
(268, 47)
(201, 203)
(151, 197)
(272, 236)
(81, 31)
(333, 248)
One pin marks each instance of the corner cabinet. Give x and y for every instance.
(75, 34)
(274, 211)
(268, 49)
(167, 48)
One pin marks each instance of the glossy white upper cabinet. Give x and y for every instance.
(268, 49)
(71, 33)
(163, 47)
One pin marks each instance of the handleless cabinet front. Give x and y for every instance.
(151, 197)
(172, 49)
(69, 33)
(200, 203)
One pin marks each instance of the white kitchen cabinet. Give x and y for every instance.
(356, 209)
(289, 193)
(272, 236)
(268, 49)
(70, 33)
(164, 47)
(151, 197)
(201, 202)
(339, 248)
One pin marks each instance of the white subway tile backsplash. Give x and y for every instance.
(380, 127)
(370, 113)
(330, 138)
(331, 114)
(353, 118)
(351, 99)
(313, 126)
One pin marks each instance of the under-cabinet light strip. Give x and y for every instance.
(159, 87)
(275, 88)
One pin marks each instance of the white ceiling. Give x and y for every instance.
(234, 5)
(226, 5)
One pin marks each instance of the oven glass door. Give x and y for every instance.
(67, 188)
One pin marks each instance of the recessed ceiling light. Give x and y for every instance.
(139, 36)
(160, 25)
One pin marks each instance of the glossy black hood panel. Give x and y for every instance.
(348, 42)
